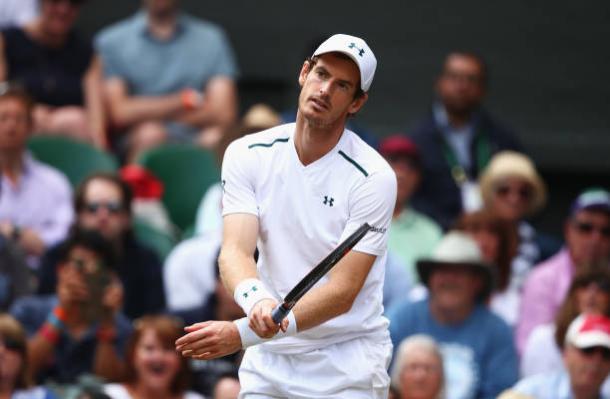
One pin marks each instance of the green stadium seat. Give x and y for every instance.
(186, 172)
(75, 159)
(159, 241)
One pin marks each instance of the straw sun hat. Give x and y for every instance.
(507, 164)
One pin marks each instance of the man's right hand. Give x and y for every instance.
(261, 322)
(71, 287)
(209, 340)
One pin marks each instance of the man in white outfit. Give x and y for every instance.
(295, 192)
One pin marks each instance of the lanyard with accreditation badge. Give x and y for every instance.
(468, 188)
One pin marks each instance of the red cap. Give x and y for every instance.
(589, 330)
(399, 145)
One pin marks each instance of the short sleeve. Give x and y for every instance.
(238, 180)
(225, 58)
(372, 202)
(104, 47)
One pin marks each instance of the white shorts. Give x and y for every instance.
(352, 369)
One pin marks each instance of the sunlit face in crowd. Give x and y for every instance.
(14, 124)
(407, 177)
(58, 16)
(588, 368)
(156, 365)
(593, 299)
(587, 236)
(327, 91)
(461, 86)
(11, 360)
(103, 209)
(454, 286)
(421, 376)
(512, 198)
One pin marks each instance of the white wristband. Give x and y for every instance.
(249, 337)
(249, 292)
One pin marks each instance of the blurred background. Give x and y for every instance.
(547, 63)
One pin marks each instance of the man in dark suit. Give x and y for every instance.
(457, 138)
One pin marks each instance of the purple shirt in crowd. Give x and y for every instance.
(543, 293)
(41, 200)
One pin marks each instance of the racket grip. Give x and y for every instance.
(279, 313)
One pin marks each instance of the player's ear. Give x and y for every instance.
(304, 71)
(358, 103)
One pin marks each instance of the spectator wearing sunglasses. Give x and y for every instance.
(586, 357)
(587, 236)
(103, 203)
(59, 69)
(15, 380)
(512, 190)
(35, 210)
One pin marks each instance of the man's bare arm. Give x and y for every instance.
(219, 106)
(213, 339)
(337, 295)
(94, 102)
(40, 353)
(322, 303)
(236, 261)
(127, 110)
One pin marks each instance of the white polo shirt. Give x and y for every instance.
(304, 212)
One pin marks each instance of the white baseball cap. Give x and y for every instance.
(357, 50)
(588, 330)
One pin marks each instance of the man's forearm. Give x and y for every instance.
(223, 115)
(219, 106)
(139, 109)
(337, 295)
(92, 83)
(235, 267)
(31, 242)
(320, 305)
(40, 352)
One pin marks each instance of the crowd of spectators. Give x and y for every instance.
(481, 303)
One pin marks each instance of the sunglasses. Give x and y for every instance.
(523, 192)
(590, 351)
(11, 344)
(111, 207)
(588, 228)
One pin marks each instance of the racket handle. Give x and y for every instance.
(279, 313)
